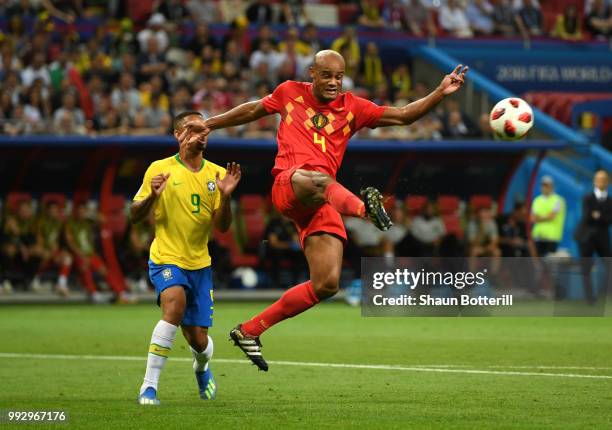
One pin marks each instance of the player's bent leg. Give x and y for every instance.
(202, 348)
(172, 301)
(324, 255)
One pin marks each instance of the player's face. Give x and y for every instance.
(327, 80)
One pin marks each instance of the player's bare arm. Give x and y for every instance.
(416, 110)
(140, 209)
(226, 186)
(241, 114)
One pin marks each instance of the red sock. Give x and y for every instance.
(294, 301)
(344, 201)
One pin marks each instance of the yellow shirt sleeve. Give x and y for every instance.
(145, 188)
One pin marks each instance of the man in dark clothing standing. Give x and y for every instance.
(592, 233)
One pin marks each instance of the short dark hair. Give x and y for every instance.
(178, 120)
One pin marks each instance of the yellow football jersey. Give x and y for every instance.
(183, 212)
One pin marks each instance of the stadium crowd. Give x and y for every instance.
(146, 61)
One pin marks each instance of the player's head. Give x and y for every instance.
(327, 71)
(178, 125)
(601, 180)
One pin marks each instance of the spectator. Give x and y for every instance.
(428, 230)
(530, 19)
(294, 13)
(311, 38)
(370, 14)
(568, 25)
(293, 38)
(125, 96)
(484, 127)
(201, 39)
(365, 236)
(36, 70)
(155, 29)
(504, 18)
(204, 11)
(593, 232)
(52, 253)
(401, 83)
(80, 238)
(482, 235)
(396, 234)
(173, 11)
(18, 245)
(260, 12)
(513, 233)
(372, 67)
(348, 46)
(453, 19)
(268, 56)
(152, 61)
(599, 20)
(548, 218)
(455, 127)
(266, 34)
(69, 119)
(282, 247)
(140, 237)
(66, 10)
(480, 16)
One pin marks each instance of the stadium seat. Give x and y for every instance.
(448, 205)
(58, 198)
(452, 224)
(115, 218)
(479, 201)
(415, 204)
(253, 202)
(14, 199)
(237, 257)
(389, 202)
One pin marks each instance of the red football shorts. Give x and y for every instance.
(307, 220)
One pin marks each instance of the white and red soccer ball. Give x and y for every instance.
(511, 119)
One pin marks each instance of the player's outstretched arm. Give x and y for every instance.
(140, 209)
(417, 109)
(241, 114)
(226, 186)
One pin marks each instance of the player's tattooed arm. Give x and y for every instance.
(241, 114)
(419, 108)
(226, 186)
(140, 209)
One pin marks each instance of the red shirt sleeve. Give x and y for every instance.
(273, 103)
(367, 113)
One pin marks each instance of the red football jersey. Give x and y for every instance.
(316, 134)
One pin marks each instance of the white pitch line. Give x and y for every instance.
(312, 364)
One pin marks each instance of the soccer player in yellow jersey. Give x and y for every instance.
(188, 195)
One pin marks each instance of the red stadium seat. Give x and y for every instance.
(115, 219)
(253, 202)
(389, 202)
(237, 257)
(415, 204)
(480, 201)
(448, 205)
(58, 198)
(14, 199)
(452, 224)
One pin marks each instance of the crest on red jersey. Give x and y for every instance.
(319, 120)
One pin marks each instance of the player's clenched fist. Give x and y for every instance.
(158, 183)
(229, 182)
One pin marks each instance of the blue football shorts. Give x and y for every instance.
(198, 289)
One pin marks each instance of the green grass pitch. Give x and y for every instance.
(511, 388)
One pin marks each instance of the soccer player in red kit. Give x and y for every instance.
(318, 119)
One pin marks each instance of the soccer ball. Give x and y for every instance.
(511, 119)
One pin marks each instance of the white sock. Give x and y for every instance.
(161, 344)
(201, 359)
(62, 281)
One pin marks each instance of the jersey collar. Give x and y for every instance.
(178, 158)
